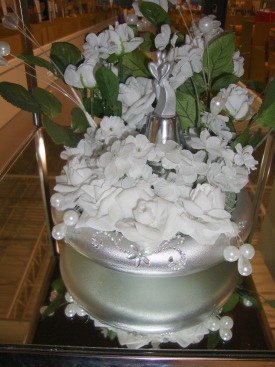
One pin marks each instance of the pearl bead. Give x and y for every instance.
(213, 324)
(57, 200)
(4, 48)
(139, 25)
(231, 253)
(247, 251)
(68, 297)
(80, 312)
(244, 266)
(225, 334)
(246, 302)
(132, 19)
(70, 310)
(216, 105)
(206, 25)
(59, 231)
(3, 62)
(226, 322)
(10, 21)
(70, 218)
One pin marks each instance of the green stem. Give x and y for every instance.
(197, 102)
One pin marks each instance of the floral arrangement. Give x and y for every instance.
(110, 181)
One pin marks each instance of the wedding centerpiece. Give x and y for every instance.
(151, 200)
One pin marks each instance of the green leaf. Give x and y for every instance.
(108, 84)
(58, 285)
(79, 122)
(223, 82)
(218, 56)
(19, 97)
(255, 138)
(113, 58)
(124, 73)
(38, 61)
(186, 110)
(137, 62)
(266, 112)
(180, 39)
(64, 53)
(49, 104)
(154, 13)
(148, 44)
(97, 107)
(196, 81)
(243, 138)
(53, 306)
(231, 303)
(60, 134)
(60, 288)
(213, 340)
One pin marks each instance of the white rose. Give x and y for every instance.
(144, 218)
(206, 218)
(77, 171)
(237, 101)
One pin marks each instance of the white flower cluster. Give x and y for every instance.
(118, 190)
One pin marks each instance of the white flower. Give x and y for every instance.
(137, 96)
(77, 171)
(162, 39)
(142, 148)
(238, 64)
(227, 178)
(205, 217)
(188, 60)
(83, 149)
(119, 40)
(171, 188)
(237, 101)
(122, 39)
(244, 157)
(92, 48)
(212, 144)
(145, 218)
(110, 128)
(192, 165)
(81, 76)
(117, 162)
(217, 124)
(95, 200)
